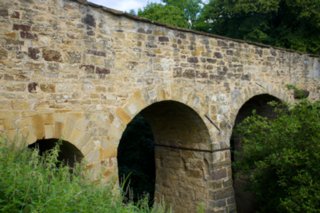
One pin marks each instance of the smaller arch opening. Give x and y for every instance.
(261, 105)
(68, 153)
(245, 200)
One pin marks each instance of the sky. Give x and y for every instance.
(124, 5)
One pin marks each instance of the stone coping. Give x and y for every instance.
(136, 18)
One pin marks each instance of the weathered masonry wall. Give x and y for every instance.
(79, 72)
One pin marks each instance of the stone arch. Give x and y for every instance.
(258, 102)
(34, 126)
(140, 99)
(182, 149)
(252, 91)
(68, 154)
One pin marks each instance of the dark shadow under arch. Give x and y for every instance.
(136, 161)
(245, 200)
(168, 128)
(68, 154)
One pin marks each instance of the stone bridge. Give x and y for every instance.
(80, 72)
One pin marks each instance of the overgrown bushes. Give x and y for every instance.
(281, 158)
(29, 183)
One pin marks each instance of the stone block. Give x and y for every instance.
(16, 87)
(4, 12)
(218, 55)
(97, 53)
(48, 88)
(102, 71)
(33, 53)
(32, 87)
(221, 194)
(28, 35)
(163, 39)
(218, 203)
(51, 55)
(74, 57)
(89, 20)
(88, 68)
(49, 130)
(3, 53)
(193, 60)
(11, 35)
(125, 118)
(194, 173)
(15, 14)
(22, 27)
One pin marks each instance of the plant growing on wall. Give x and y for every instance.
(298, 93)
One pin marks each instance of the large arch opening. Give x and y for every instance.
(175, 139)
(245, 200)
(136, 161)
(68, 153)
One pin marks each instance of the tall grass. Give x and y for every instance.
(30, 183)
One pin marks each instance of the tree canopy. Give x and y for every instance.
(183, 13)
(293, 24)
(166, 14)
(190, 8)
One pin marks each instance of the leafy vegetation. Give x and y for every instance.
(30, 183)
(284, 23)
(190, 8)
(166, 14)
(183, 13)
(298, 93)
(293, 24)
(281, 157)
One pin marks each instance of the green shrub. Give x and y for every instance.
(280, 158)
(29, 183)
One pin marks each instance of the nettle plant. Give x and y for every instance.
(33, 183)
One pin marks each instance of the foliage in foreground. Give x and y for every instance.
(29, 183)
(281, 159)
